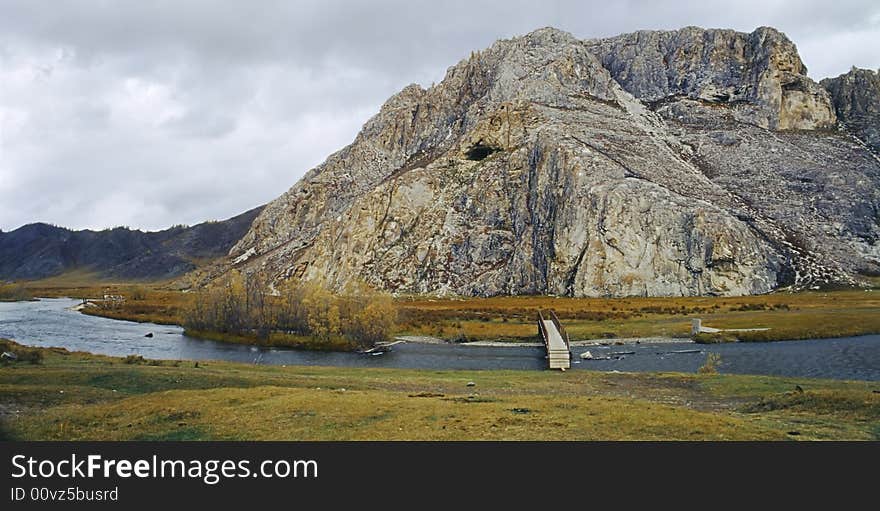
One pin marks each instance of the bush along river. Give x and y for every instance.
(51, 322)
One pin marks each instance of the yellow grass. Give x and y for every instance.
(104, 398)
(788, 315)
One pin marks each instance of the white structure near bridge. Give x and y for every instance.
(698, 328)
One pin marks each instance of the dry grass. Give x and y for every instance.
(279, 339)
(145, 302)
(83, 279)
(788, 315)
(104, 398)
(268, 413)
(14, 292)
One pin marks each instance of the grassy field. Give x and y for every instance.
(788, 315)
(70, 396)
(14, 293)
(77, 396)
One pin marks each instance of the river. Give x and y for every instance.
(50, 322)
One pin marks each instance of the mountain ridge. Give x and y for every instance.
(656, 163)
(39, 250)
(679, 162)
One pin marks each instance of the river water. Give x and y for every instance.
(49, 322)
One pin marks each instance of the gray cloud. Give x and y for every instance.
(155, 113)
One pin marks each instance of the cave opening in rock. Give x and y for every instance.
(796, 85)
(480, 151)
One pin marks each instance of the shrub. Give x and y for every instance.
(14, 292)
(370, 318)
(137, 293)
(22, 354)
(714, 337)
(34, 356)
(292, 315)
(133, 359)
(242, 307)
(323, 313)
(750, 307)
(460, 337)
(713, 360)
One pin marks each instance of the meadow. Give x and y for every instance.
(52, 394)
(79, 396)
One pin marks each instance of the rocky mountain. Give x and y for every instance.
(856, 97)
(680, 162)
(37, 251)
(758, 76)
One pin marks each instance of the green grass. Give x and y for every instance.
(77, 396)
(22, 353)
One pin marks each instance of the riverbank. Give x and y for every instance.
(51, 322)
(78, 396)
(278, 340)
(579, 344)
(786, 316)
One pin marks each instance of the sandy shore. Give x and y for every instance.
(421, 339)
(502, 344)
(631, 340)
(418, 339)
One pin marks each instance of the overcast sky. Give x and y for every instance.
(153, 113)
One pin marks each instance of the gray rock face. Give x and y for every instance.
(759, 75)
(550, 165)
(856, 98)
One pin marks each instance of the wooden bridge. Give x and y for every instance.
(555, 340)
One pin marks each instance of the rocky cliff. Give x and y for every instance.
(856, 98)
(759, 77)
(37, 251)
(656, 163)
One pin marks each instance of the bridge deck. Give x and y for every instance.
(554, 340)
(558, 353)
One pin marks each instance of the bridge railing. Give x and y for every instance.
(561, 329)
(542, 329)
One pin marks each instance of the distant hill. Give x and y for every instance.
(38, 251)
